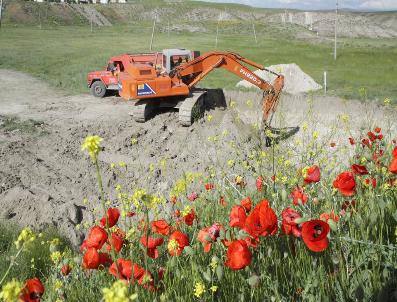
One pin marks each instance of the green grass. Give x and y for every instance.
(64, 55)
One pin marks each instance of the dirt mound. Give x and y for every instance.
(44, 176)
(296, 81)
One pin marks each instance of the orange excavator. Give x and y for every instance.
(169, 78)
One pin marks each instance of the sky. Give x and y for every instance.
(319, 4)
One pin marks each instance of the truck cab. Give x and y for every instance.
(105, 80)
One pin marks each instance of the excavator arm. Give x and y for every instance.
(194, 71)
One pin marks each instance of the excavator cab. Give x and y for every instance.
(175, 57)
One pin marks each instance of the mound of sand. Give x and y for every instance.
(296, 81)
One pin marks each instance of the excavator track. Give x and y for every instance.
(192, 108)
(143, 109)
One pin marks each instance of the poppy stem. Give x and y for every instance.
(100, 185)
(12, 262)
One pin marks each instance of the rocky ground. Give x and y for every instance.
(44, 176)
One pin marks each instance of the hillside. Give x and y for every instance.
(200, 17)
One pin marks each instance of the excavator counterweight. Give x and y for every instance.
(170, 77)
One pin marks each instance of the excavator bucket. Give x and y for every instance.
(270, 102)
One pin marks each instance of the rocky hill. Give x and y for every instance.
(199, 16)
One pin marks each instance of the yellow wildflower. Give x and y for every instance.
(199, 289)
(25, 236)
(56, 257)
(231, 163)
(122, 164)
(134, 141)
(92, 144)
(209, 118)
(118, 293)
(315, 135)
(112, 165)
(386, 101)
(58, 284)
(11, 291)
(305, 126)
(214, 288)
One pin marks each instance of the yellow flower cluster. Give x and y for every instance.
(92, 144)
(118, 293)
(25, 236)
(199, 289)
(56, 257)
(11, 291)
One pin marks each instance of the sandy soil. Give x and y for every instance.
(44, 176)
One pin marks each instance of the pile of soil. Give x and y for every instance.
(296, 81)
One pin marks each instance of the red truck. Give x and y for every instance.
(102, 81)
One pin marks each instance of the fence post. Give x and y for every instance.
(1, 10)
(325, 82)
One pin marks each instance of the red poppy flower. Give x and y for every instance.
(208, 235)
(177, 213)
(361, 170)
(326, 216)
(262, 221)
(246, 203)
(222, 201)
(314, 235)
(365, 142)
(274, 178)
(161, 272)
(177, 242)
(379, 137)
(189, 218)
(378, 130)
(393, 166)
(104, 259)
(193, 196)
(96, 238)
(143, 276)
(66, 269)
(124, 268)
(33, 290)
(209, 186)
(130, 214)
(237, 217)
(91, 259)
(113, 217)
(298, 196)
(394, 153)
(161, 227)
(116, 241)
(259, 183)
(345, 183)
(371, 136)
(351, 141)
(370, 181)
(151, 244)
(238, 255)
(312, 174)
(288, 225)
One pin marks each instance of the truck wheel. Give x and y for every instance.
(98, 89)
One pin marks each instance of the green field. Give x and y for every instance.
(63, 55)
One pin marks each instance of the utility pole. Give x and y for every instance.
(336, 26)
(151, 40)
(1, 10)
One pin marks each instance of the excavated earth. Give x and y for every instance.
(44, 176)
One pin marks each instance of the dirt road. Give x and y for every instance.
(44, 176)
